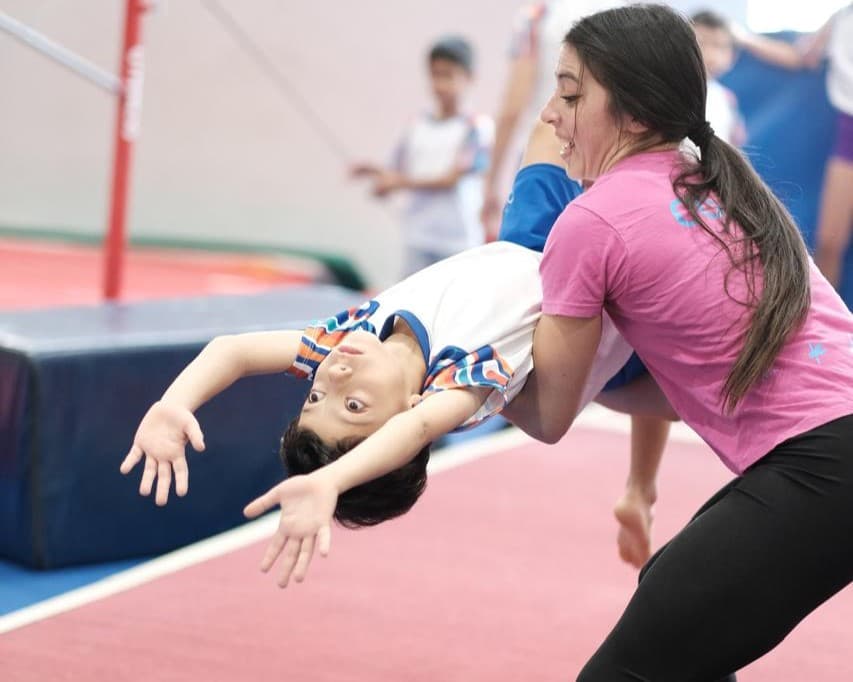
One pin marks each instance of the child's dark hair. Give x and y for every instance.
(391, 495)
(454, 49)
(710, 19)
(647, 58)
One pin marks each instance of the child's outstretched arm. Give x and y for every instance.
(387, 180)
(308, 502)
(472, 157)
(805, 53)
(169, 423)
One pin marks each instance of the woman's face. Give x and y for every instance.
(580, 115)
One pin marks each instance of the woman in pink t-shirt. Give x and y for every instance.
(705, 274)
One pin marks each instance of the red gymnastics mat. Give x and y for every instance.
(506, 571)
(39, 274)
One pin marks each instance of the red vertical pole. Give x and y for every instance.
(128, 118)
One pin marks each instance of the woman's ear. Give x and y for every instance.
(635, 126)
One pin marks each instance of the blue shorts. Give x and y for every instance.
(539, 194)
(633, 369)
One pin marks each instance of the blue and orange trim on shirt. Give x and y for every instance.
(319, 338)
(452, 367)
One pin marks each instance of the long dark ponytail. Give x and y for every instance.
(647, 58)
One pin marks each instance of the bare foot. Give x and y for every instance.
(634, 514)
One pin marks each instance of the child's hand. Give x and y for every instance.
(162, 438)
(307, 505)
(360, 170)
(386, 182)
(740, 34)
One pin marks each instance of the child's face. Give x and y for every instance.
(449, 81)
(717, 48)
(357, 388)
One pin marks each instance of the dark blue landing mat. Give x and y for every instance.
(74, 383)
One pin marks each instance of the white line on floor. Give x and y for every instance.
(593, 417)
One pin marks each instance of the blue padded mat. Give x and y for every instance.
(790, 130)
(21, 587)
(74, 383)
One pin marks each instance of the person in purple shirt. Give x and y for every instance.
(705, 274)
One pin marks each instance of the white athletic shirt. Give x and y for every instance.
(447, 221)
(721, 111)
(473, 315)
(839, 79)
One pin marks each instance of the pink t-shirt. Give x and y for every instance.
(627, 246)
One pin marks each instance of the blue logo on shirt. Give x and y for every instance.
(815, 351)
(709, 210)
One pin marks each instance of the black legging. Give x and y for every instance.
(758, 557)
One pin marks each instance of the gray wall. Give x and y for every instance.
(223, 154)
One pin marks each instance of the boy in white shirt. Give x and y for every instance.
(717, 44)
(442, 350)
(440, 161)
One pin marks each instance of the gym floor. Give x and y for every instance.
(493, 576)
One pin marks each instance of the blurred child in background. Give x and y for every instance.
(717, 45)
(441, 161)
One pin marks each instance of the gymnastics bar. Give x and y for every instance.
(128, 89)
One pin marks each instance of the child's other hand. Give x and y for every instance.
(813, 51)
(360, 170)
(307, 505)
(387, 182)
(162, 438)
(740, 34)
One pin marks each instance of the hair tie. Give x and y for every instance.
(701, 134)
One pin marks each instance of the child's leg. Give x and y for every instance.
(542, 147)
(836, 219)
(635, 392)
(651, 414)
(540, 192)
(765, 552)
(641, 397)
(633, 510)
